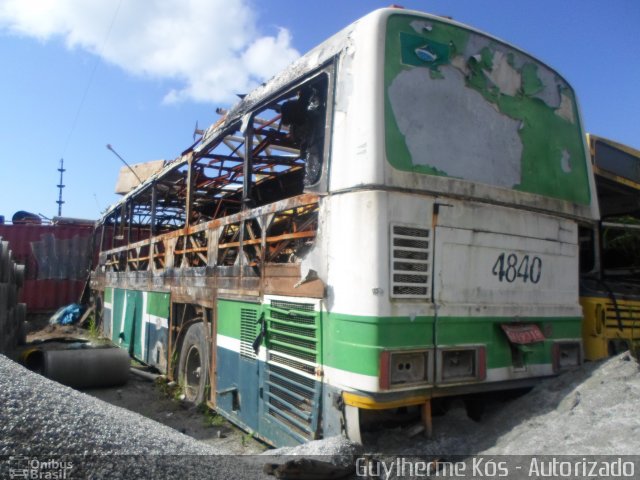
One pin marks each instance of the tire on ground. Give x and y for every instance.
(193, 368)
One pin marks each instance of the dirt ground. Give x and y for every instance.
(157, 401)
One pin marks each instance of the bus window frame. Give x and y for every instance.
(321, 186)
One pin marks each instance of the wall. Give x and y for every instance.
(56, 259)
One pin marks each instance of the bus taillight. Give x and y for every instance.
(404, 368)
(461, 364)
(566, 355)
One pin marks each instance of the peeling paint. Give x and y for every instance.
(566, 109)
(503, 75)
(550, 93)
(421, 25)
(565, 161)
(460, 63)
(484, 146)
(513, 116)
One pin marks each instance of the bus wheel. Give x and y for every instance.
(194, 364)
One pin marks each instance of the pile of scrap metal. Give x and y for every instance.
(12, 313)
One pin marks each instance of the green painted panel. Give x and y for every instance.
(119, 296)
(229, 315)
(108, 294)
(132, 330)
(354, 343)
(158, 304)
(129, 315)
(534, 105)
(487, 331)
(136, 333)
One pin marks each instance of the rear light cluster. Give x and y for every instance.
(406, 368)
(566, 355)
(462, 364)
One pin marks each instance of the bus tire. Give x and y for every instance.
(193, 368)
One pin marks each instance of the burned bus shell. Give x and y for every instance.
(332, 248)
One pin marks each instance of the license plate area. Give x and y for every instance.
(523, 334)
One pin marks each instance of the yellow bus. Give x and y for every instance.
(610, 254)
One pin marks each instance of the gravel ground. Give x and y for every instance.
(42, 420)
(593, 410)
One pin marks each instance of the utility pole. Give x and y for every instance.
(60, 187)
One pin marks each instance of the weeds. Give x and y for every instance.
(92, 327)
(246, 438)
(169, 389)
(211, 418)
(173, 362)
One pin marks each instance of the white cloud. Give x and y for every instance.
(213, 49)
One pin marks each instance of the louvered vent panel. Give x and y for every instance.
(292, 388)
(248, 320)
(410, 262)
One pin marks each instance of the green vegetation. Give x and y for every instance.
(169, 389)
(92, 327)
(211, 418)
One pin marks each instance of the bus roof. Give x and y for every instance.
(310, 61)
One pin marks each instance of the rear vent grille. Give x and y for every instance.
(410, 262)
(248, 335)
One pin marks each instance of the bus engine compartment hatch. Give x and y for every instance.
(293, 383)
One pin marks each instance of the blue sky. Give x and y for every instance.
(78, 75)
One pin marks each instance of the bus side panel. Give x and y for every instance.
(107, 312)
(264, 390)
(130, 334)
(138, 322)
(155, 329)
(238, 372)
(119, 303)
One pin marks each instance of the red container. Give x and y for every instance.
(57, 260)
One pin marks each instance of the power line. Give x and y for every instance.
(90, 81)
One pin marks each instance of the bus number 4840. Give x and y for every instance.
(509, 267)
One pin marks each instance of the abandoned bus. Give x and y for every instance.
(610, 267)
(393, 218)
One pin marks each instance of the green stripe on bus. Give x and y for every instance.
(158, 304)
(229, 314)
(353, 343)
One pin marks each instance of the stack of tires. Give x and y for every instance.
(12, 313)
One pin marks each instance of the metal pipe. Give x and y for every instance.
(152, 377)
(109, 147)
(87, 367)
